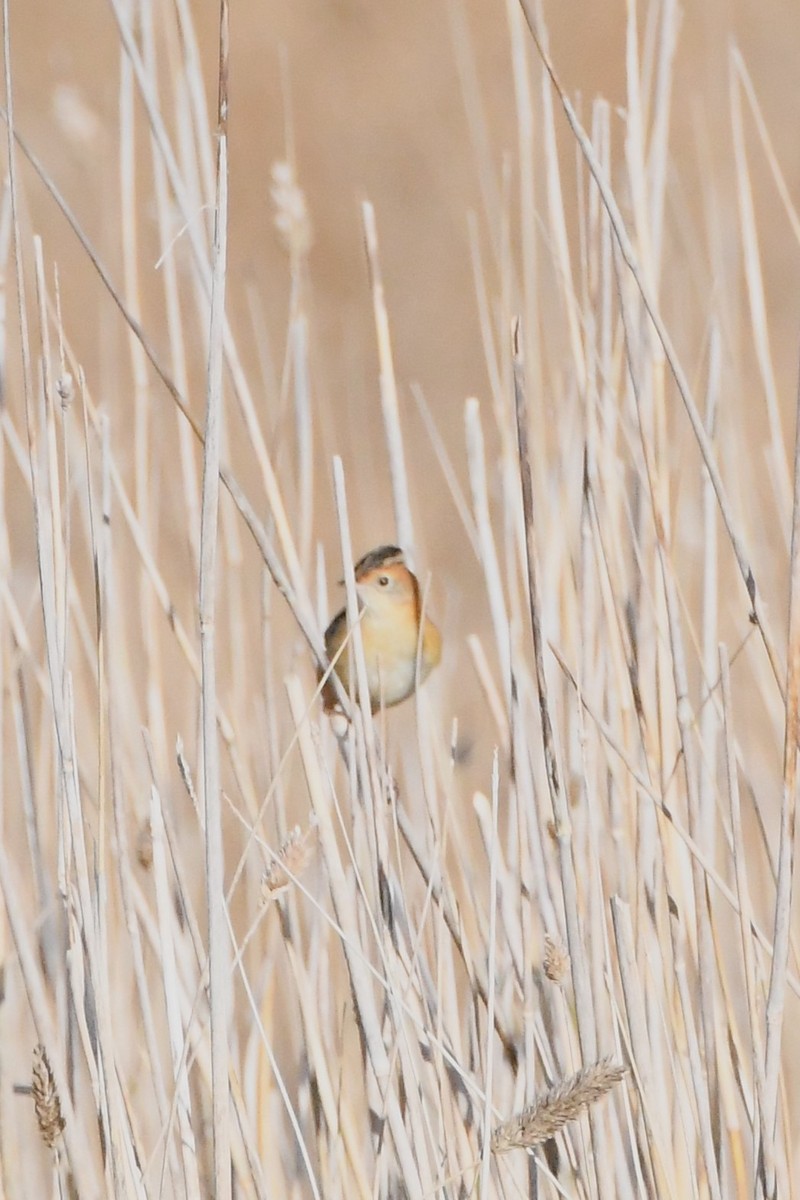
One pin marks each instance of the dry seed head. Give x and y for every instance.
(292, 859)
(555, 1108)
(45, 1098)
(65, 389)
(556, 959)
(144, 845)
(291, 212)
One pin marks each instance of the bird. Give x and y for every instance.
(397, 658)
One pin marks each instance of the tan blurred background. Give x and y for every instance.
(378, 113)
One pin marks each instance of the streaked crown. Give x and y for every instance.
(382, 556)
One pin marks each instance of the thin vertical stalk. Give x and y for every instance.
(218, 944)
(491, 972)
(745, 917)
(584, 1003)
(786, 849)
(388, 388)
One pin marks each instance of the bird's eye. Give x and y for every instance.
(383, 580)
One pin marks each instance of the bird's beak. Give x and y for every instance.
(359, 596)
(358, 593)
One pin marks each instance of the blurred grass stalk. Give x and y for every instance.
(377, 1021)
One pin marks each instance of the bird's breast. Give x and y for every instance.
(390, 650)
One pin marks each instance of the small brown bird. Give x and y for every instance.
(396, 657)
